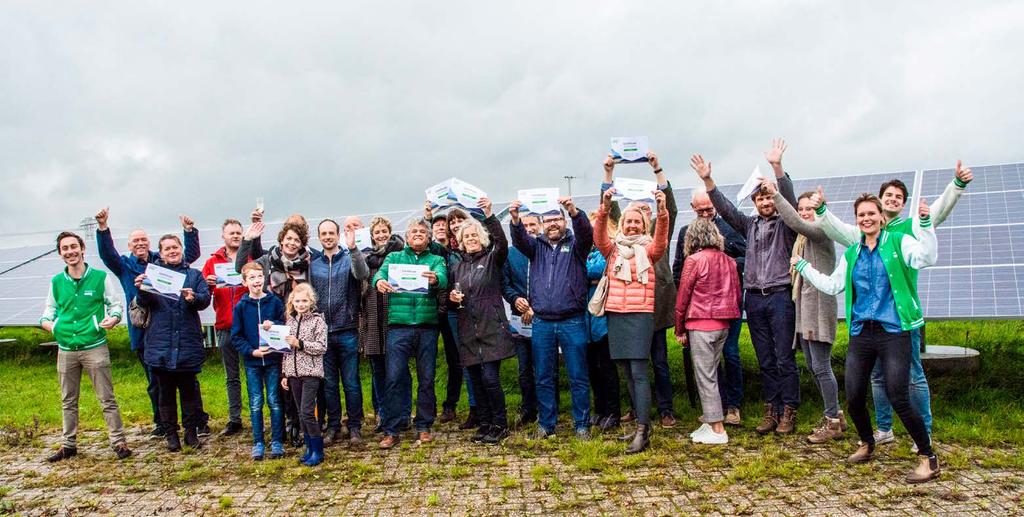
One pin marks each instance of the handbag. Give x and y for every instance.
(138, 315)
(596, 305)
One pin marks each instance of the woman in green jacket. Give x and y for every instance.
(882, 308)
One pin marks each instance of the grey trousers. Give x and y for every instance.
(231, 359)
(819, 361)
(706, 350)
(639, 384)
(96, 364)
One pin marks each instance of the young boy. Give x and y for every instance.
(262, 365)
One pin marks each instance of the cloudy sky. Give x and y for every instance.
(330, 108)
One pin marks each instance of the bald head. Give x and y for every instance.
(138, 244)
(353, 223)
(701, 203)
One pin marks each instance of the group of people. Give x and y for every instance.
(599, 289)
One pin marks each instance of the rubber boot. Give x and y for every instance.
(641, 439)
(316, 445)
(309, 448)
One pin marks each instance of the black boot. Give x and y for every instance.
(641, 439)
(480, 433)
(173, 442)
(191, 438)
(296, 436)
(496, 435)
(473, 420)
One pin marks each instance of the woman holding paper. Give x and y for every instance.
(174, 343)
(484, 338)
(628, 300)
(373, 317)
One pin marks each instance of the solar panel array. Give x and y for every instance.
(980, 273)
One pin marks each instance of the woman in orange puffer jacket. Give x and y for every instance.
(629, 304)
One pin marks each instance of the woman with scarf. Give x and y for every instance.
(628, 300)
(373, 315)
(482, 327)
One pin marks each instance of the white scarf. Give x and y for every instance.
(630, 247)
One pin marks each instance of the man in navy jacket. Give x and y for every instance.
(558, 296)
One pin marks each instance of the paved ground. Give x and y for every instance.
(752, 475)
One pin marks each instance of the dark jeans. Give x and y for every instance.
(662, 374)
(490, 405)
(772, 320)
(151, 387)
(892, 351)
(604, 380)
(450, 334)
(304, 393)
(342, 358)
(172, 384)
(258, 379)
(570, 335)
(527, 387)
(231, 359)
(730, 376)
(405, 342)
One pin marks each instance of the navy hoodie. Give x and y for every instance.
(247, 317)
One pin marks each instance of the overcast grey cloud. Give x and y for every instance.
(158, 108)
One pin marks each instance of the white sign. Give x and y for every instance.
(753, 183)
(634, 189)
(226, 274)
(408, 278)
(439, 195)
(274, 338)
(541, 201)
(466, 195)
(629, 149)
(163, 281)
(364, 241)
(516, 325)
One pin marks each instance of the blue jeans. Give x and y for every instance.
(403, 343)
(343, 356)
(730, 377)
(526, 385)
(258, 378)
(571, 335)
(920, 394)
(772, 321)
(662, 374)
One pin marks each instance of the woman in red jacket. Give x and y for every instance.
(709, 298)
(629, 301)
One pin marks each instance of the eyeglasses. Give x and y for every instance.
(701, 211)
(554, 220)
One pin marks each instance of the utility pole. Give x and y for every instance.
(88, 225)
(568, 180)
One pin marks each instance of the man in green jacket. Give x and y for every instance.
(412, 332)
(81, 306)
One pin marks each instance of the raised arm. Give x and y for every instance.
(725, 208)
(190, 235)
(845, 234)
(829, 284)
(659, 245)
(602, 240)
(609, 179)
(774, 157)
(524, 242)
(254, 231)
(944, 205)
(923, 251)
(105, 242)
(581, 228)
(796, 223)
(498, 239)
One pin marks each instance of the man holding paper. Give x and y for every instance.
(412, 329)
(227, 288)
(126, 268)
(558, 297)
(767, 284)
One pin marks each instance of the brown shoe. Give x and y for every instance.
(448, 415)
(842, 420)
(631, 416)
(926, 471)
(732, 417)
(829, 429)
(388, 442)
(769, 422)
(863, 454)
(787, 423)
(668, 421)
(425, 437)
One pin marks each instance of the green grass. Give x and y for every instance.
(982, 409)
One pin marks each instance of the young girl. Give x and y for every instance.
(303, 369)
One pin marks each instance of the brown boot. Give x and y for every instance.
(842, 421)
(770, 421)
(732, 417)
(863, 455)
(926, 471)
(830, 429)
(788, 421)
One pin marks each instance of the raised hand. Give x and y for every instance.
(485, 205)
(428, 211)
(606, 198)
(187, 223)
(350, 238)
(818, 198)
(254, 230)
(513, 210)
(568, 204)
(701, 167)
(653, 160)
(964, 174)
(104, 214)
(659, 198)
(609, 163)
(768, 186)
(774, 155)
(923, 210)
(256, 215)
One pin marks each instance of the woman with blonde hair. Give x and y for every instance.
(303, 371)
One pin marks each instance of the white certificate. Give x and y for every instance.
(364, 241)
(629, 149)
(466, 195)
(634, 189)
(440, 195)
(408, 278)
(163, 281)
(753, 183)
(274, 338)
(516, 325)
(541, 201)
(226, 275)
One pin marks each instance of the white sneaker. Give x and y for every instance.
(913, 448)
(884, 437)
(699, 430)
(708, 436)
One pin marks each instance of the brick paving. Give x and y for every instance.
(751, 476)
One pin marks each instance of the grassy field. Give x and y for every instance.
(983, 410)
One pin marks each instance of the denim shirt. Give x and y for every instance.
(872, 294)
